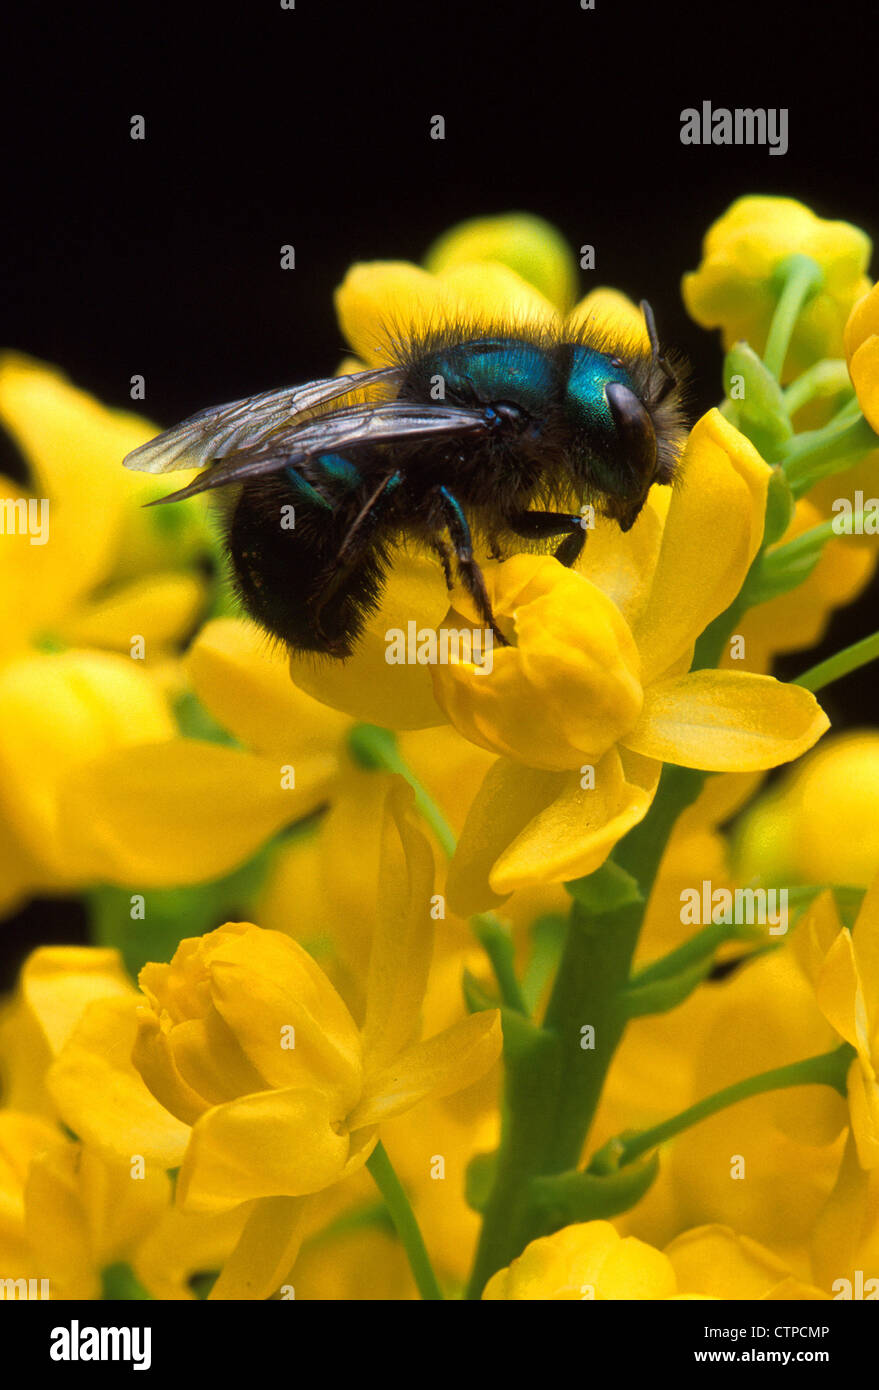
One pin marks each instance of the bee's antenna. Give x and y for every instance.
(670, 378)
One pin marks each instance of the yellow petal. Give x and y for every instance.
(863, 322)
(75, 448)
(59, 982)
(864, 368)
(365, 685)
(57, 1225)
(527, 826)
(273, 1144)
(380, 301)
(837, 1233)
(863, 1099)
(838, 992)
(588, 1259)
(265, 1252)
(568, 689)
(262, 984)
(245, 684)
(403, 940)
(57, 712)
(609, 311)
(528, 245)
(867, 953)
(184, 811)
(161, 609)
(712, 533)
(443, 1064)
(153, 1058)
(103, 1098)
(726, 721)
(715, 1261)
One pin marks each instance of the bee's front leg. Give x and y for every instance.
(471, 574)
(537, 525)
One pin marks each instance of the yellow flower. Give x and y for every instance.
(618, 698)
(77, 587)
(844, 967)
(733, 289)
(862, 353)
(716, 1262)
(820, 823)
(528, 245)
(592, 1261)
(69, 612)
(71, 1209)
(586, 1261)
(181, 810)
(597, 676)
(845, 1237)
(766, 1165)
(67, 1214)
(246, 1044)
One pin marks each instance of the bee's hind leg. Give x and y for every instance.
(536, 525)
(471, 574)
(442, 551)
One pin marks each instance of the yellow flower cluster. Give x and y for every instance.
(236, 1109)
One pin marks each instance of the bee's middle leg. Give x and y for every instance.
(442, 551)
(471, 574)
(537, 525)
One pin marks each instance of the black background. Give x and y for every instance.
(311, 126)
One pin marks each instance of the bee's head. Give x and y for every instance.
(624, 428)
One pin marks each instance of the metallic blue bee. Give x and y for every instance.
(475, 438)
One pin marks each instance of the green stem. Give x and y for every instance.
(800, 276)
(828, 1069)
(375, 747)
(821, 381)
(817, 454)
(498, 945)
(842, 664)
(698, 948)
(406, 1226)
(553, 1082)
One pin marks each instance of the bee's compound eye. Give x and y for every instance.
(634, 427)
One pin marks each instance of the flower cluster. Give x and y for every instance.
(460, 875)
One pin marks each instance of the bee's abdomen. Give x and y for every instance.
(285, 552)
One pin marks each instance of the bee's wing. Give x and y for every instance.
(244, 424)
(393, 422)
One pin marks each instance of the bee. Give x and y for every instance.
(501, 436)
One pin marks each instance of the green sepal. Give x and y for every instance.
(372, 746)
(565, 1198)
(606, 890)
(761, 410)
(479, 1180)
(784, 567)
(523, 1038)
(780, 506)
(119, 1283)
(476, 996)
(547, 943)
